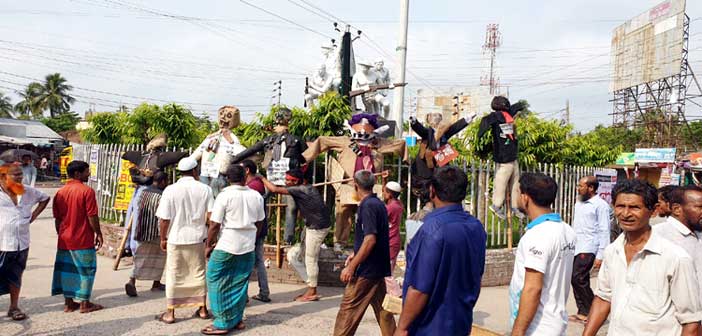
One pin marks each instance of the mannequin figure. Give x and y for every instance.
(362, 150)
(152, 160)
(218, 148)
(281, 147)
(435, 135)
(505, 152)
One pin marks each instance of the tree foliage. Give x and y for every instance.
(54, 95)
(64, 121)
(5, 106)
(29, 104)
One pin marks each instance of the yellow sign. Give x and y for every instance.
(65, 158)
(125, 186)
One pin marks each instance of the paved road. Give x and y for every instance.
(135, 316)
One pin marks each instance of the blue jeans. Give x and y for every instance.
(217, 184)
(260, 266)
(290, 219)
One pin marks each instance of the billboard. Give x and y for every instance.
(648, 47)
(654, 155)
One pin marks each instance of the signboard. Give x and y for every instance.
(444, 155)
(276, 171)
(94, 154)
(654, 155)
(626, 159)
(607, 178)
(648, 47)
(65, 158)
(125, 186)
(411, 141)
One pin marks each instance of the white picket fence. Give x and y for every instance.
(480, 174)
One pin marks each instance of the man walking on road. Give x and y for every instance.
(543, 263)
(591, 224)
(254, 182)
(183, 214)
(647, 284)
(445, 261)
(29, 172)
(78, 228)
(369, 264)
(149, 259)
(317, 222)
(16, 203)
(238, 215)
(391, 193)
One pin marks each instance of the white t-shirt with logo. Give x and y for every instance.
(549, 248)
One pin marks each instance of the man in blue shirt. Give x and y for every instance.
(445, 261)
(369, 264)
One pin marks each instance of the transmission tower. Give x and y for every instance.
(493, 40)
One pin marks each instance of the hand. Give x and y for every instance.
(400, 332)
(349, 258)
(208, 251)
(470, 117)
(598, 263)
(347, 274)
(164, 245)
(98, 241)
(385, 173)
(412, 120)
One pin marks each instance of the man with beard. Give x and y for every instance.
(646, 285)
(543, 263)
(16, 203)
(663, 207)
(683, 225)
(591, 225)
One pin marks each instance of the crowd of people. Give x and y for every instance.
(206, 247)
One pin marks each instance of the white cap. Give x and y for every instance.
(187, 164)
(394, 186)
(364, 62)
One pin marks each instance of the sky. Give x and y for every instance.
(205, 54)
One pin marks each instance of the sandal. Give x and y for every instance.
(211, 330)
(261, 298)
(206, 317)
(91, 308)
(303, 298)
(162, 318)
(576, 318)
(16, 314)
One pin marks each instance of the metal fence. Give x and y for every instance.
(480, 175)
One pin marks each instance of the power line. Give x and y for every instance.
(286, 19)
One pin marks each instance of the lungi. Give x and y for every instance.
(74, 273)
(228, 285)
(185, 276)
(149, 261)
(12, 265)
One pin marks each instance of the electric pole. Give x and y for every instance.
(567, 112)
(399, 92)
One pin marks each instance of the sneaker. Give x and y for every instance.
(518, 213)
(499, 212)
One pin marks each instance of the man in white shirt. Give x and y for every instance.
(543, 263)
(684, 223)
(646, 285)
(591, 225)
(237, 218)
(16, 203)
(183, 214)
(29, 172)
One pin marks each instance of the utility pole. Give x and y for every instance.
(277, 91)
(567, 112)
(493, 40)
(399, 92)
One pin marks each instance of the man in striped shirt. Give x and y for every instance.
(149, 259)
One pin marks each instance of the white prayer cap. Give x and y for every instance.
(187, 164)
(394, 186)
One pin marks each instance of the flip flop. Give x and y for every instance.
(161, 287)
(71, 308)
(16, 315)
(91, 308)
(197, 315)
(302, 298)
(260, 298)
(211, 330)
(161, 318)
(575, 318)
(130, 289)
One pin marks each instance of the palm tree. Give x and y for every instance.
(54, 95)
(5, 106)
(29, 105)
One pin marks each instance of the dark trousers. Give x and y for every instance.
(582, 264)
(358, 295)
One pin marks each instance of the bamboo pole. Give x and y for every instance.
(123, 243)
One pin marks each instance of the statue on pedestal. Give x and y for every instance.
(218, 148)
(363, 81)
(322, 82)
(381, 95)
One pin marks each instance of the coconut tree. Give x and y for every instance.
(54, 95)
(29, 104)
(5, 106)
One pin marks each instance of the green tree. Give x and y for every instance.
(140, 124)
(5, 106)
(29, 105)
(64, 121)
(180, 125)
(106, 128)
(54, 95)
